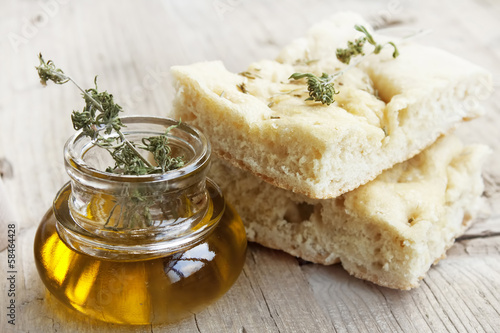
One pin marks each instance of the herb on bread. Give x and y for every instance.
(287, 92)
(250, 75)
(242, 87)
(321, 89)
(356, 48)
(305, 62)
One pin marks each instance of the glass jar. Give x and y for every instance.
(139, 249)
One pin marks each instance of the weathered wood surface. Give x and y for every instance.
(132, 45)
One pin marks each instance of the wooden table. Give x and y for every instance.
(131, 45)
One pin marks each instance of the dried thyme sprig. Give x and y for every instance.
(356, 48)
(353, 49)
(250, 75)
(101, 114)
(90, 122)
(127, 162)
(242, 87)
(161, 151)
(100, 121)
(321, 89)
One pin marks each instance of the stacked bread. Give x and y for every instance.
(371, 180)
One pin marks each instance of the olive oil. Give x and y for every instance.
(137, 292)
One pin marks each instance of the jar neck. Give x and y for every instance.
(110, 214)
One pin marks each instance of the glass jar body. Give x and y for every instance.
(139, 292)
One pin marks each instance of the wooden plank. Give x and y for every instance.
(460, 294)
(272, 295)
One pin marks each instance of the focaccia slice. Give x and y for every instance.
(388, 231)
(387, 110)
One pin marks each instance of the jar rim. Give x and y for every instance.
(161, 244)
(200, 158)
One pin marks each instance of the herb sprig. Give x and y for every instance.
(99, 119)
(322, 89)
(356, 48)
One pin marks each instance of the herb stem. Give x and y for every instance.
(131, 146)
(351, 65)
(100, 108)
(65, 78)
(96, 103)
(359, 60)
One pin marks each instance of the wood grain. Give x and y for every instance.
(460, 294)
(132, 45)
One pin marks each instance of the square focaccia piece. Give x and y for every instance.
(387, 110)
(389, 231)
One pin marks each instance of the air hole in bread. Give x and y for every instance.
(411, 220)
(402, 116)
(298, 212)
(339, 202)
(378, 265)
(467, 218)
